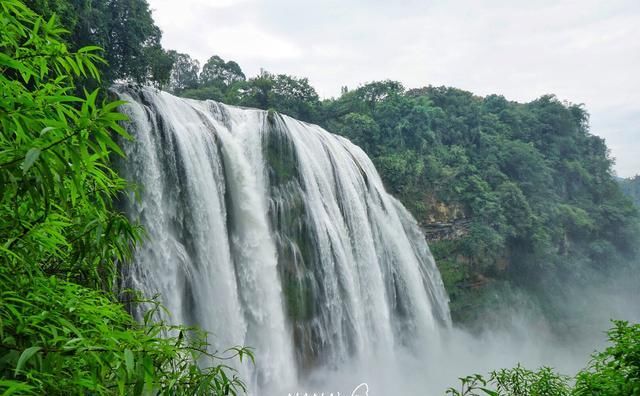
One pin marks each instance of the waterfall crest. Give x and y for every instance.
(272, 233)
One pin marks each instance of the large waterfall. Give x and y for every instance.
(275, 234)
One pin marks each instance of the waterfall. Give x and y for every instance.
(275, 234)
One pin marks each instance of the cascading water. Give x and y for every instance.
(275, 234)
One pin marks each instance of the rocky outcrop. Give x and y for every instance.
(438, 231)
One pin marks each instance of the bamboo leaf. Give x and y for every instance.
(30, 158)
(128, 360)
(24, 358)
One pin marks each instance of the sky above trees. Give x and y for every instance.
(584, 51)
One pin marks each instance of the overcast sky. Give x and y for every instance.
(584, 51)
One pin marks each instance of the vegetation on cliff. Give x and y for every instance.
(532, 186)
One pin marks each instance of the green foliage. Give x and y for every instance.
(62, 239)
(57, 187)
(58, 337)
(288, 95)
(517, 381)
(225, 81)
(123, 28)
(537, 186)
(219, 73)
(615, 371)
(184, 74)
(362, 130)
(401, 169)
(204, 93)
(631, 188)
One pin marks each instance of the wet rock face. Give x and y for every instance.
(450, 230)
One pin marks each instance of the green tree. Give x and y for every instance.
(184, 74)
(219, 73)
(362, 130)
(375, 92)
(123, 28)
(290, 95)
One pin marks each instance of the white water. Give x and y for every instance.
(275, 234)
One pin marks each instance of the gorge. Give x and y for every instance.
(148, 242)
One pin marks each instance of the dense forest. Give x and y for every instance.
(531, 188)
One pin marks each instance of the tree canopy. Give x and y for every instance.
(219, 73)
(124, 29)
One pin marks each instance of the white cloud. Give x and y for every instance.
(584, 51)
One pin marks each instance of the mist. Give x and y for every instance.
(518, 332)
(173, 223)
